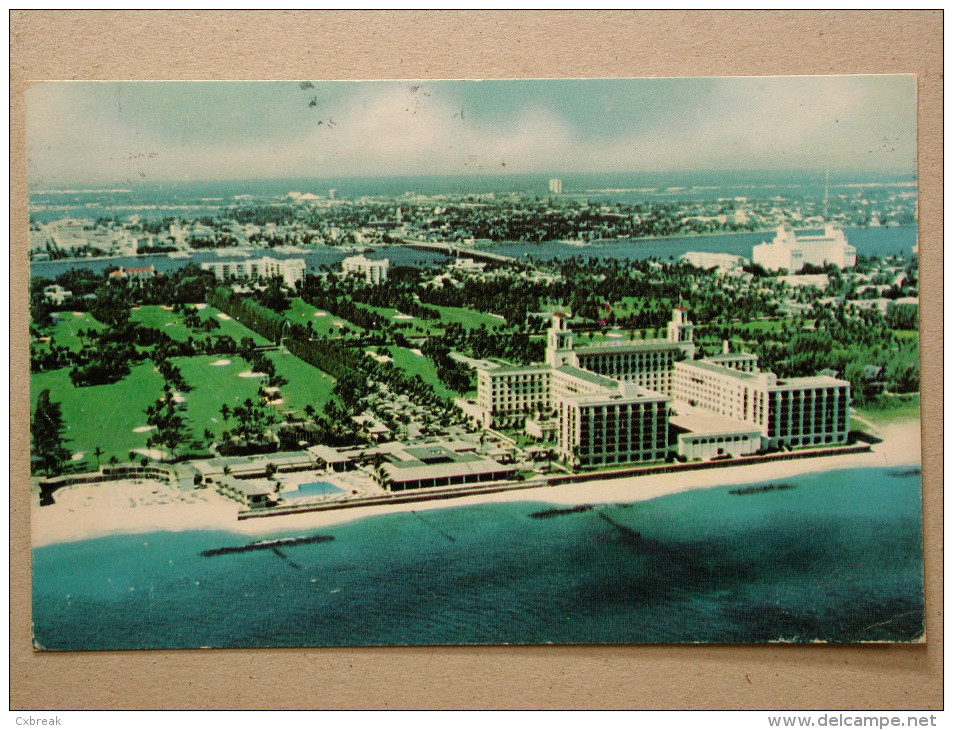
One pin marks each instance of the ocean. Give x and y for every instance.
(833, 556)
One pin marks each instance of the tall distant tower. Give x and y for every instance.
(559, 343)
(332, 193)
(556, 186)
(682, 331)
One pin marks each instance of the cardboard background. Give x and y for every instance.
(483, 44)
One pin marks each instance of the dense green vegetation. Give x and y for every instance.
(178, 364)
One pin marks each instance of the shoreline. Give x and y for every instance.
(138, 507)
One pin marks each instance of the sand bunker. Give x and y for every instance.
(222, 316)
(143, 429)
(250, 374)
(79, 314)
(77, 456)
(151, 453)
(320, 314)
(200, 305)
(402, 316)
(177, 397)
(417, 352)
(276, 402)
(219, 363)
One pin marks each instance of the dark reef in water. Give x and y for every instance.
(267, 545)
(912, 472)
(542, 514)
(762, 488)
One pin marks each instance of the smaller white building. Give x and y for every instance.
(709, 260)
(374, 271)
(56, 294)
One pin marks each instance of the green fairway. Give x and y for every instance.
(760, 327)
(415, 325)
(162, 319)
(306, 384)
(214, 386)
(165, 320)
(467, 317)
(102, 415)
(230, 327)
(67, 325)
(323, 323)
(413, 364)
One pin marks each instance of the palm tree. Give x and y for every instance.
(97, 452)
(225, 411)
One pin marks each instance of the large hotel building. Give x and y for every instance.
(633, 401)
(792, 249)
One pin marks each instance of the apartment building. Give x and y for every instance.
(374, 271)
(291, 271)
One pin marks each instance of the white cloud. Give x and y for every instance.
(112, 133)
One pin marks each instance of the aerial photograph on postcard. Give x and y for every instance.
(431, 362)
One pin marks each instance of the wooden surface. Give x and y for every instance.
(483, 44)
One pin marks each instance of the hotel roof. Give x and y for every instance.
(588, 376)
(599, 348)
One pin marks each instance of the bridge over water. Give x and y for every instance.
(457, 250)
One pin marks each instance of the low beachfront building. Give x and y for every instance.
(374, 271)
(290, 271)
(437, 465)
(792, 249)
(702, 435)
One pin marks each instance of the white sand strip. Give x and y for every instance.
(222, 316)
(108, 510)
(220, 363)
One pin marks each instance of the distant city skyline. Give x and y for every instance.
(123, 133)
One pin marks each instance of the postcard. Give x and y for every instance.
(553, 361)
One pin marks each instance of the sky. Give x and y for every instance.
(122, 133)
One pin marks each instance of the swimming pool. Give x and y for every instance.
(313, 489)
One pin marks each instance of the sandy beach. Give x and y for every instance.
(140, 506)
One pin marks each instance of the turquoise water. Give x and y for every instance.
(838, 557)
(314, 489)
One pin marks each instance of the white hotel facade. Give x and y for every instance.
(792, 249)
(634, 401)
